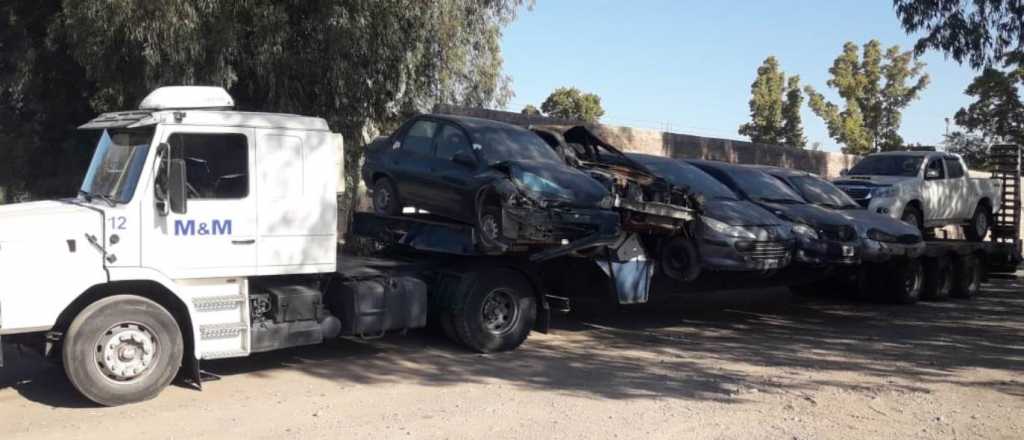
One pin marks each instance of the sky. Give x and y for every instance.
(687, 66)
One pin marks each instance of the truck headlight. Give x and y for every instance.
(805, 231)
(877, 235)
(726, 229)
(885, 191)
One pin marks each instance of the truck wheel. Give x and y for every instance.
(385, 197)
(905, 281)
(122, 349)
(496, 313)
(977, 229)
(912, 216)
(967, 279)
(938, 278)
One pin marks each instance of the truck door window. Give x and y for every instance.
(452, 140)
(936, 165)
(216, 165)
(955, 169)
(420, 138)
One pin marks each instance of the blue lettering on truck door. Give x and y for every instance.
(192, 227)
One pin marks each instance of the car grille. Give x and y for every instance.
(768, 250)
(839, 232)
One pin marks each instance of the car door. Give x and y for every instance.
(410, 164)
(450, 180)
(217, 236)
(934, 190)
(960, 205)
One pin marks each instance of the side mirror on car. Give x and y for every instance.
(465, 158)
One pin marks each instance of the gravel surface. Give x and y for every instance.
(739, 365)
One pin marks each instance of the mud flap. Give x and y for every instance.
(629, 269)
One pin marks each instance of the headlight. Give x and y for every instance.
(877, 235)
(729, 230)
(885, 191)
(805, 231)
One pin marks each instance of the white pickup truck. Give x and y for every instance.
(925, 188)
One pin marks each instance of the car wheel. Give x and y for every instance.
(496, 313)
(489, 226)
(977, 229)
(912, 216)
(385, 197)
(122, 349)
(679, 259)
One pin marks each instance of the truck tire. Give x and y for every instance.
(977, 229)
(913, 216)
(122, 349)
(385, 197)
(938, 278)
(904, 281)
(496, 312)
(968, 273)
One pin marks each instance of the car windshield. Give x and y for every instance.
(758, 185)
(502, 144)
(821, 192)
(116, 165)
(681, 174)
(888, 165)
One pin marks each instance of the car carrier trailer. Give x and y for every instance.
(205, 233)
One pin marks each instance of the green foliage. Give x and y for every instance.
(997, 114)
(980, 32)
(571, 103)
(973, 147)
(530, 110)
(361, 64)
(875, 90)
(772, 120)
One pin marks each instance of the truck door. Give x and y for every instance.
(960, 206)
(217, 235)
(935, 190)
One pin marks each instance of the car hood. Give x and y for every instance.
(570, 185)
(807, 214)
(871, 180)
(739, 213)
(864, 220)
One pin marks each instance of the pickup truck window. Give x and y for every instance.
(888, 165)
(936, 165)
(956, 170)
(216, 165)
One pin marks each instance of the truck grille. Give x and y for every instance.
(768, 250)
(860, 194)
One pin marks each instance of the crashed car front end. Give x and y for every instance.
(827, 245)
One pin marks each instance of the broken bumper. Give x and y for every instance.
(568, 229)
(828, 252)
(652, 216)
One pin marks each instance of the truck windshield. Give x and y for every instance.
(821, 192)
(888, 165)
(116, 165)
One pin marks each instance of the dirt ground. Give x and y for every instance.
(745, 365)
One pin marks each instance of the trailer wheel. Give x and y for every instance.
(968, 276)
(938, 278)
(496, 313)
(904, 281)
(122, 349)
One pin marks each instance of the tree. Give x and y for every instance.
(772, 120)
(792, 126)
(997, 114)
(530, 110)
(873, 109)
(571, 103)
(973, 147)
(980, 32)
(360, 64)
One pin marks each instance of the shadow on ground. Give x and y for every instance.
(702, 348)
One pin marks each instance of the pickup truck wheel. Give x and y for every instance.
(977, 229)
(496, 313)
(904, 282)
(938, 278)
(122, 349)
(912, 216)
(967, 278)
(385, 197)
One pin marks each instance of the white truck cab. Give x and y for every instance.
(184, 201)
(925, 188)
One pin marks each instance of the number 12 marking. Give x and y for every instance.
(117, 223)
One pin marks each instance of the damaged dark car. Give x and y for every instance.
(501, 179)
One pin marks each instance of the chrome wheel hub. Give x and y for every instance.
(500, 312)
(126, 352)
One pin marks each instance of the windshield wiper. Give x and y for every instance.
(85, 195)
(88, 196)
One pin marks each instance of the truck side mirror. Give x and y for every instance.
(466, 158)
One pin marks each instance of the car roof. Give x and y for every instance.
(471, 123)
(780, 171)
